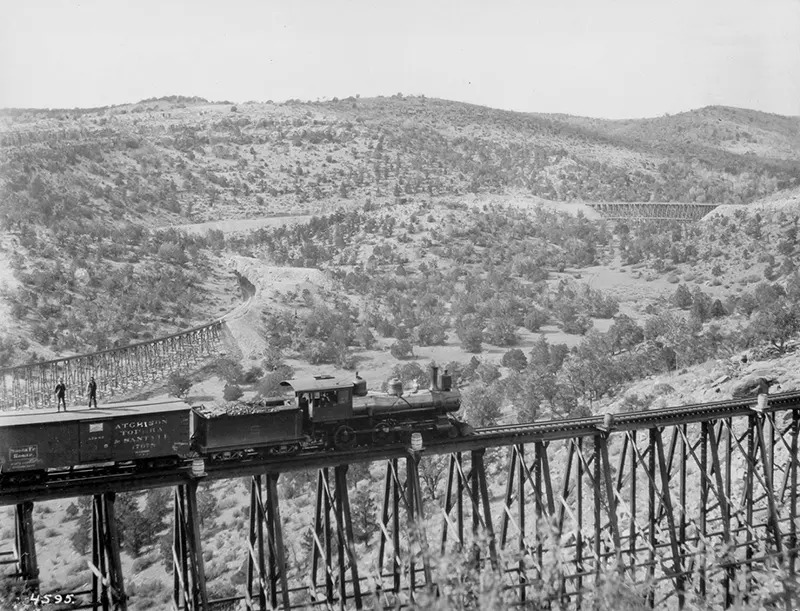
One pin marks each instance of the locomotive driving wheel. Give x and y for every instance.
(344, 438)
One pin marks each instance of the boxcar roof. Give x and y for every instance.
(317, 383)
(109, 410)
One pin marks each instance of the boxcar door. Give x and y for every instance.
(96, 440)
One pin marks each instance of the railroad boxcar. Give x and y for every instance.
(121, 432)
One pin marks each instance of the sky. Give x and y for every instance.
(599, 58)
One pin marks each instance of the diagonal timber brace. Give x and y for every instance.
(108, 589)
(266, 562)
(334, 501)
(26, 564)
(188, 573)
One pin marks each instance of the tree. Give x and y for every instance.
(624, 334)
(487, 373)
(401, 349)
(157, 507)
(178, 384)
(539, 356)
(172, 253)
(747, 303)
(678, 333)
(768, 294)
(558, 354)
(471, 339)
(364, 513)
(776, 324)
(229, 370)
(591, 370)
(589, 376)
(717, 309)
(431, 471)
(501, 331)
(701, 305)
(788, 267)
(430, 332)
(253, 375)
(682, 298)
(793, 287)
(206, 505)
(270, 385)
(515, 360)
(231, 392)
(534, 319)
(82, 536)
(524, 393)
(482, 405)
(165, 543)
(135, 531)
(364, 337)
(576, 326)
(752, 227)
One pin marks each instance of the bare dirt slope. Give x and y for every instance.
(234, 226)
(270, 284)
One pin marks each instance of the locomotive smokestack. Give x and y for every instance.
(446, 381)
(434, 377)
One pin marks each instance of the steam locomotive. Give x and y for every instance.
(318, 413)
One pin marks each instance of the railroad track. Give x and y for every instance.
(63, 484)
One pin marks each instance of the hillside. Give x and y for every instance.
(184, 158)
(383, 234)
(719, 129)
(86, 193)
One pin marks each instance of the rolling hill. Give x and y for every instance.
(88, 196)
(161, 160)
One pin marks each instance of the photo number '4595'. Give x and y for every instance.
(52, 599)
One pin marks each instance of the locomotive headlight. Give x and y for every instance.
(416, 442)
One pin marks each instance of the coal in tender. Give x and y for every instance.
(240, 408)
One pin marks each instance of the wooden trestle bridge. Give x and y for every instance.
(694, 504)
(117, 370)
(683, 212)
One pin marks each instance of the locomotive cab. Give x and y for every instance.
(323, 398)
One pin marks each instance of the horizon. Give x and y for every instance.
(614, 59)
(202, 100)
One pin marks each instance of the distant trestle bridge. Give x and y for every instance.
(698, 502)
(653, 211)
(117, 370)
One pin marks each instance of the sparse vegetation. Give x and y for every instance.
(416, 265)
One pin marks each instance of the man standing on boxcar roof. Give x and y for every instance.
(92, 391)
(61, 393)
